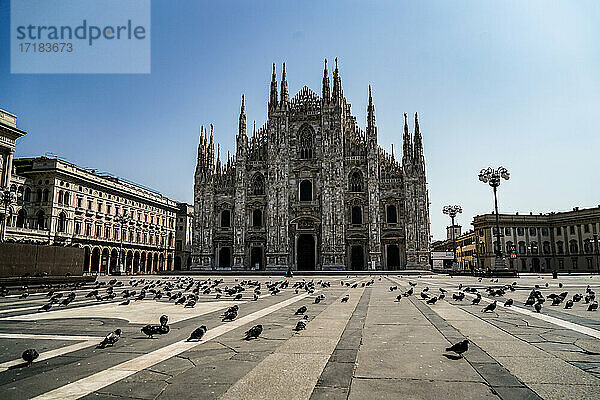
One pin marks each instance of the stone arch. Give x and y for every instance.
(95, 260)
(258, 184)
(356, 181)
(62, 222)
(22, 218)
(105, 260)
(40, 220)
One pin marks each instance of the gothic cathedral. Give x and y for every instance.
(311, 190)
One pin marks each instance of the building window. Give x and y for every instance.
(356, 182)
(21, 218)
(534, 248)
(60, 197)
(62, 222)
(532, 231)
(522, 249)
(257, 218)
(572, 229)
(509, 247)
(506, 231)
(27, 194)
(391, 214)
(77, 228)
(558, 230)
(546, 247)
(46, 195)
(40, 220)
(586, 228)
(520, 231)
(178, 245)
(544, 231)
(523, 264)
(561, 263)
(89, 204)
(306, 190)
(258, 185)
(88, 229)
(590, 265)
(560, 247)
(573, 248)
(225, 219)
(574, 262)
(587, 246)
(306, 143)
(356, 215)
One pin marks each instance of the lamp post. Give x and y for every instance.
(122, 220)
(596, 242)
(452, 211)
(493, 177)
(8, 196)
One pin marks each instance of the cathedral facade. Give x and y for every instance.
(311, 190)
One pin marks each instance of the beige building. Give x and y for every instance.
(561, 241)
(56, 202)
(183, 236)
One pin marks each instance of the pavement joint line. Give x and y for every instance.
(299, 381)
(51, 354)
(359, 312)
(543, 317)
(438, 322)
(99, 380)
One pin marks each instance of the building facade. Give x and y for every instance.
(466, 249)
(183, 236)
(556, 241)
(310, 190)
(59, 203)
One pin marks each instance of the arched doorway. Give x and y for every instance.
(357, 258)
(305, 253)
(177, 263)
(129, 262)
(225, 257)
(95, 259)
(155, 263)
(113, 260)
(189, 262)
(535, 264)
(256, 258)
(143, 263)
(104, 261)
(86, 259)
(393, 257)
(136, 263)
(21, 218)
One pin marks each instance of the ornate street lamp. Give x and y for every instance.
(452, 211)
(493, 177)
(122, 220)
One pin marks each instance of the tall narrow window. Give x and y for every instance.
(306, 143)
(356, 182)
(391, 214)
(356, 215)
(62, 222)
(225, 219)
(306, 190)
(257, 218)
(258, 185)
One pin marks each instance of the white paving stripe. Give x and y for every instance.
(47, 337)
(51, 353)
(97, 381)
(543, 317)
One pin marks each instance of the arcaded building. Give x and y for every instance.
(311, 190)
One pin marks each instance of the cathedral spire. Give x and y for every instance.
(370, 112)
(418, 141)
(406, 143)
(273, 98)
(242, 121)
(337, 84)
(285, 97)
(325, 90)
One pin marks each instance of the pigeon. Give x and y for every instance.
(301, 325)
(255, 298)
(24, 295)
(253, 332)
(152, 330)
(110, 339)
(164, 319)
(181, 300)
(125, 303)
(458, 296)
(424, 295)
(46, 307)
(560, 284)
(490, 307)
(29, 355)
(538, 307)
(593, 306)
(569, 304)
(476, 300)
(230, 315)
(301, 310)
(197, 333)
(459, 347)
(345, 298)
(432, 300)
(190, 304)
(508, 303)
(398, 298)
(530, 301)
(238, 296)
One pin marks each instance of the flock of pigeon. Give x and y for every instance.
(535, 299)
(185, 292)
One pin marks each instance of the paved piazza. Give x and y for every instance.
(369, 346)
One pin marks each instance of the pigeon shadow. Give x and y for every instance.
(18, 366)
(452, 357)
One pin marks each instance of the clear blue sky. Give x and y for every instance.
(513, 83)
